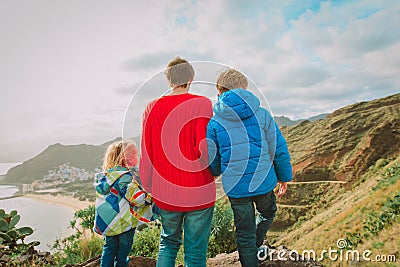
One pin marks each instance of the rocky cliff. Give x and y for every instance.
(346, 143)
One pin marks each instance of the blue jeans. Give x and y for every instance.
(196, 226)
(251, 231)
(116, 249)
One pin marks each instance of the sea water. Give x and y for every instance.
(49, 221)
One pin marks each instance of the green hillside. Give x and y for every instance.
(347, 142)
(366, 217)
(82, 156)
(347, 173)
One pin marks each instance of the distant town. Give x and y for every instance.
(63, 180)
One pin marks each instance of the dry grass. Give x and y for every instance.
(347, 215)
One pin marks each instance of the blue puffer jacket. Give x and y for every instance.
(246, 146)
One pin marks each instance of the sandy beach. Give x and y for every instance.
(66, 201)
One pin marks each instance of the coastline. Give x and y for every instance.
(66, 201)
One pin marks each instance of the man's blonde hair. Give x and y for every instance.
(115, 154)
(230, 79)
(179, 72)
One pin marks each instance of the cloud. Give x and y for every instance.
(159, 61)
(148, 61)
(67, 80)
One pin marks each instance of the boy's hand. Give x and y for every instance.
(282, 188)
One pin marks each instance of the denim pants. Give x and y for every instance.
(251, 231)
(116, 249)
(196, 226)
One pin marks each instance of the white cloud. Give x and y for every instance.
(68, 69)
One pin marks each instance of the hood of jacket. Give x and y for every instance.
(105, 180)
(236, 104)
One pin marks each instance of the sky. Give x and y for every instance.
(71, 69)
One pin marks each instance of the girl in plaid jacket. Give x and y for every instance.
(121, 203)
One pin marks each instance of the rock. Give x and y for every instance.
(134, 262)
(142, 262)
(280, 257)
(31, 257)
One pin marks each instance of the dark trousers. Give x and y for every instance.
(251, 231)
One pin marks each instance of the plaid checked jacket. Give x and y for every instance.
(121, 203)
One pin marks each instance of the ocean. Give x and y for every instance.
(49, 221)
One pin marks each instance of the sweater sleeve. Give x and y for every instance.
(146, 152)
(214, 157)
(205, 113)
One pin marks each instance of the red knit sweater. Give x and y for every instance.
(173, 163)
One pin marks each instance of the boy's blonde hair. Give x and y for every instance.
(115, 155)
(230, 79)
(179, 72)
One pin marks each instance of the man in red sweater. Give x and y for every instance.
(173, 167)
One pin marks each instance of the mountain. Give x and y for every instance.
(347, 178)
(285, 121)
(347, 168)
(347, 142)
(82, 156)
(339, 146)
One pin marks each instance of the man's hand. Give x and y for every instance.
(282, 188)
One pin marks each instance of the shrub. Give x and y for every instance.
(86, 217)
(381, 163)
(77, 248)
(222, 238)
(12, 238)
(146, 241)
(82, 245)
(389, 177)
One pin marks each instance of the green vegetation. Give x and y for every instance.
(388, 213)
(366, 214)
(357, 144)
(222, 238)
(81, 156)
(389, 177)
(10, 235)
(12, 245)
(83, 190)
(147, 240)
(375, 222)
(82, 245)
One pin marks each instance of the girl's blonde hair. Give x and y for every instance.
(115, 154)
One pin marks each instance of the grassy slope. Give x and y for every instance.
(348, 213)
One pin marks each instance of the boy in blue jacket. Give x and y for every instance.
(246, 146)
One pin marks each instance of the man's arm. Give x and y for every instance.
(203, 117)
(146, 153)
